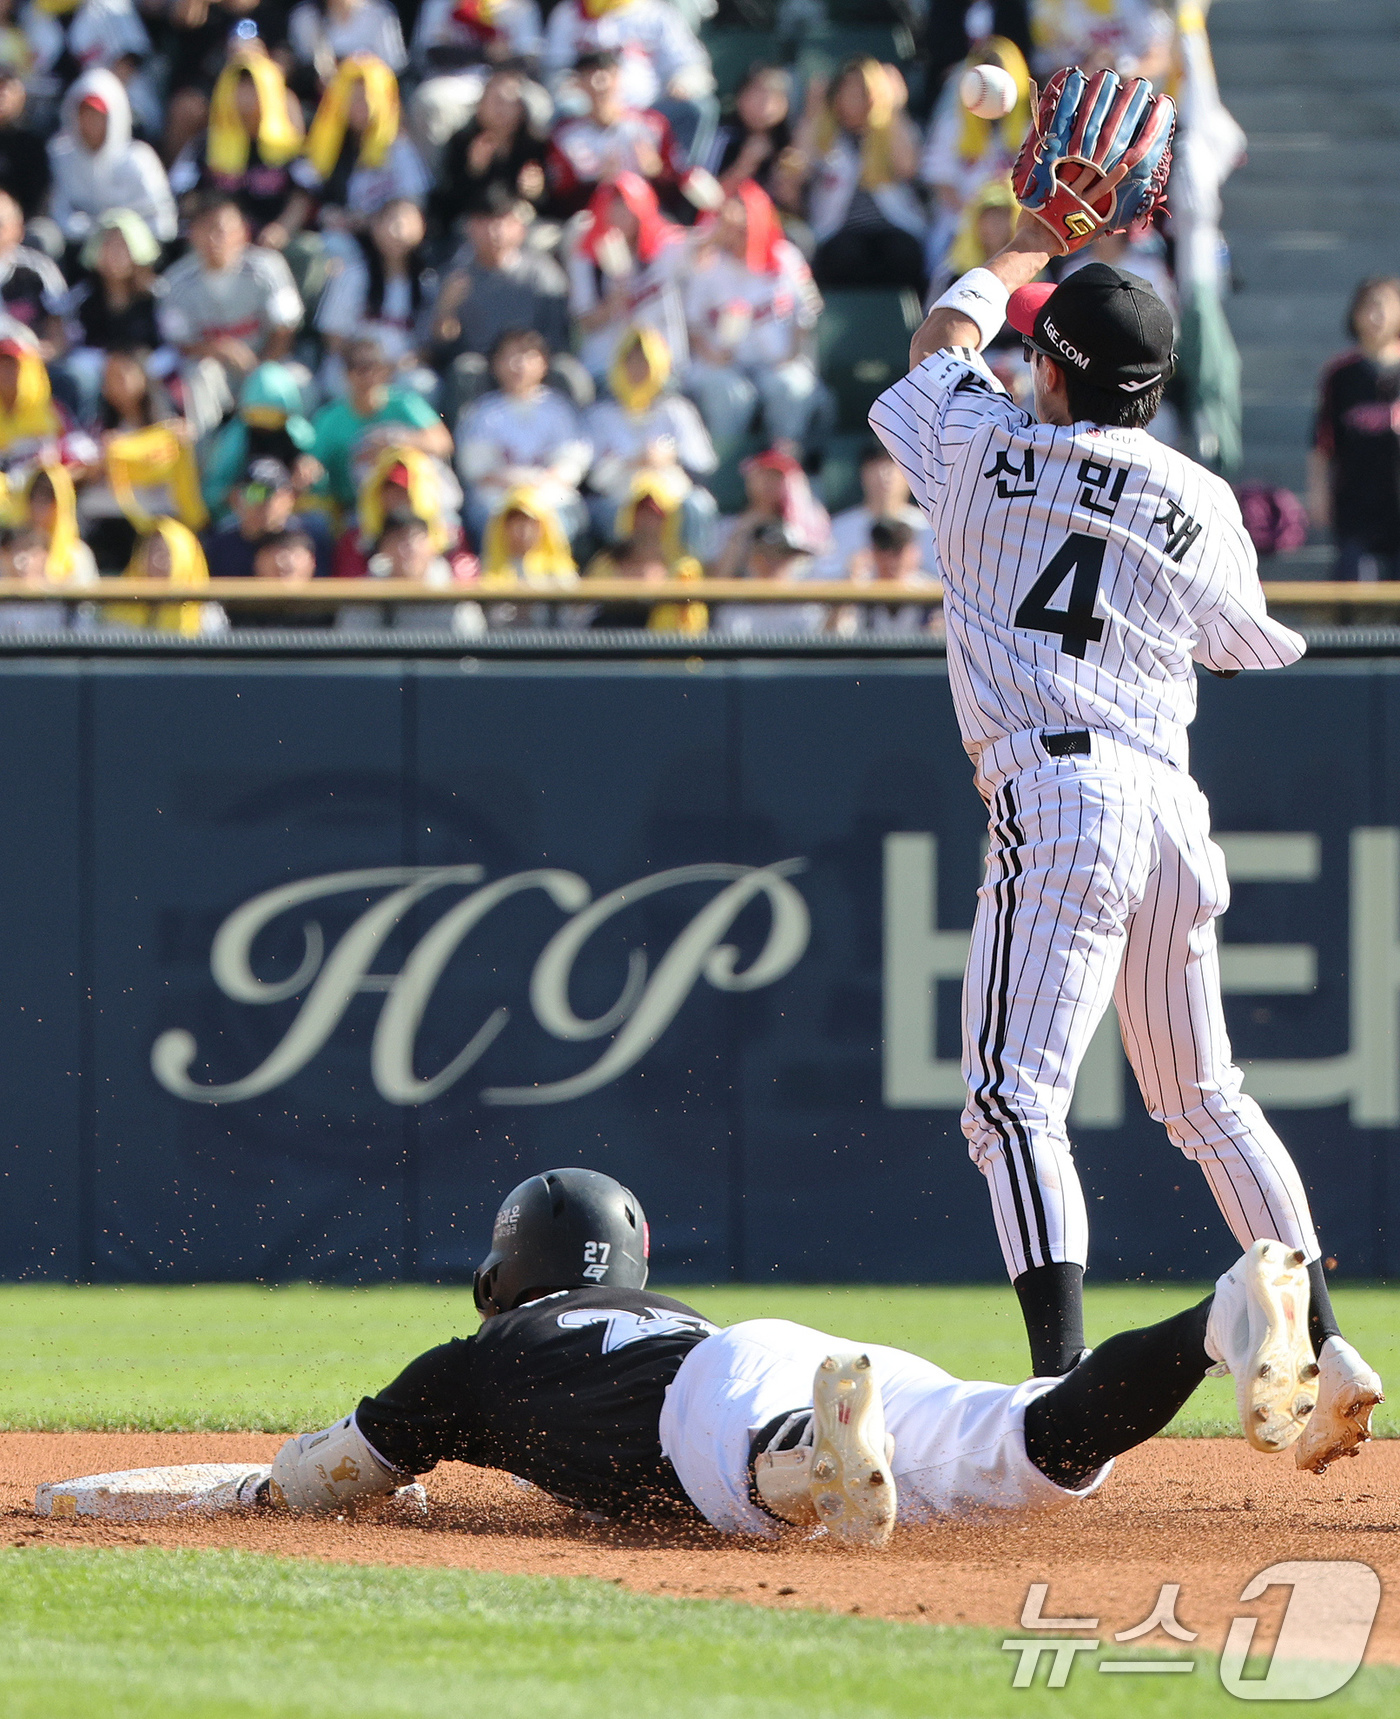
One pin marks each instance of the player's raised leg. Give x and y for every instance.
(1254, 1326)
(1069, 850)
(1169, 1003)
(959, 1447)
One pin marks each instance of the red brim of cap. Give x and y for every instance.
(96, 103)
(398, 475)
(1025, 303)
(10, 348)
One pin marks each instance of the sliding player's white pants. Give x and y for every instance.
(1102, 883)
(959, 1446)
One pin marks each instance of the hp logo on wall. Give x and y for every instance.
(328, 979)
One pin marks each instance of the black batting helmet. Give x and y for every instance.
(566, 1229)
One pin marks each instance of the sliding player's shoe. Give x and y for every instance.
(1258, 1330)
(1347, 1390)
(852, 1484)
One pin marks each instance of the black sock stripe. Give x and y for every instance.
(996, 1051)
(997, 1045)
(1000, 930)
(1027, 1154)
(977, 1094)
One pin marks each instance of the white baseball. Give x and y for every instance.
(988, 91)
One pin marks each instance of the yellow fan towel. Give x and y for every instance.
(187, 569)
(279, 134)
(157, 455)
(326, 138)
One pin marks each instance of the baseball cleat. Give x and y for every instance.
(1347, 1391)
(1258, 1327)
(852, 1485)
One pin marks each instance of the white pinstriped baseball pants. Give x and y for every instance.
(1102, 883)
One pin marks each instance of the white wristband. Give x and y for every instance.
(981, 298)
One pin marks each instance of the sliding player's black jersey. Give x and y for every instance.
(565, 1392)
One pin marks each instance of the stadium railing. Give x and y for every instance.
(323, 593)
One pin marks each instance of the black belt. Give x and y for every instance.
(760, 1442)
(1069, 743)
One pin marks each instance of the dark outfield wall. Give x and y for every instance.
(698, 925)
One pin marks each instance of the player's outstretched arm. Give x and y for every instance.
(322, 1472)
(1237, 631)
(1067, 198)
(1015, 267)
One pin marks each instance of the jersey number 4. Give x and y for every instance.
(1077, 624)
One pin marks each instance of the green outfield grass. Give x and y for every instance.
(243, 1357)
(216, 1635)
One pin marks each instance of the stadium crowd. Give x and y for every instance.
(487, 294)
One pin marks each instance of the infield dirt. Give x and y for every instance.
(1207, 1514)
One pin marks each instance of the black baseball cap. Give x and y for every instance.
(1100, 323)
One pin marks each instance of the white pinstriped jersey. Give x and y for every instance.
(1085, 569)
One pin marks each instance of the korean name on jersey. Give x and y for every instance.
(1084, 568)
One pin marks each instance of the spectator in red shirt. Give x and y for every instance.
(625, 269)
(610, 139)
(402, 478)
(751, 306)
(779, 496)
(1354, 472)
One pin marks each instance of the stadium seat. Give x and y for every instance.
(839, 482)
(863, 14)
(863, 345)
(732, 52)
(820, 52)
(726, 483)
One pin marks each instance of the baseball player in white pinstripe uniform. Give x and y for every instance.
(1087, 570)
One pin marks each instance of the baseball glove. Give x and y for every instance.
(1096, 157)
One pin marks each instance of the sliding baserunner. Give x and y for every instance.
(619, 1401)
